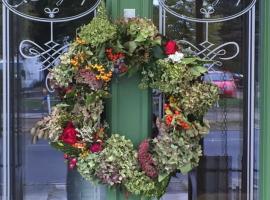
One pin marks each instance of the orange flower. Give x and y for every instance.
(74, 62)
(79, 145)
(80, 41)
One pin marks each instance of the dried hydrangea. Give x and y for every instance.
(109, 173)
(176, 151)
(146, 161)
(88, 77)
(99, 30)
(50, 127)
(198, 98)
(62, 75)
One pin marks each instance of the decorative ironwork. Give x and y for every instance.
(207, 18)
(48, 53)
(207, 49)
(86, 11)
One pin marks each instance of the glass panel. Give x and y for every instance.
(222, 173)
(40, 171)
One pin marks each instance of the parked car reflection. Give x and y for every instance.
(224, 81)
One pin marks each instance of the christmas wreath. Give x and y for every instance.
(104, 50)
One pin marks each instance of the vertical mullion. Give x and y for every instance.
(251, 104)
(6, 105)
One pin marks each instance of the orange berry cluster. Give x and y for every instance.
(77, 60)
(113, 56)
(173, 116)
(103, 75)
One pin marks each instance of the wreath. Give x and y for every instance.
(104, 50)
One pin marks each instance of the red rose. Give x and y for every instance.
(69, 134)
(171, 47)
(95, 148)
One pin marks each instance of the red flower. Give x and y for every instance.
(68, 89)
(113, 56)
(69, 134)
(95, 148)
(171, 47)
(169, 119)
(184, 125)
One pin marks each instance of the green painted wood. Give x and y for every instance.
(129, 110)
(144, 8)
(265, 101)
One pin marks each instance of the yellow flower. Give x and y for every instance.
(84, 154)
(172, 99)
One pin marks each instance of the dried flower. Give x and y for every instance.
(88, 77)
(146, 161)
(114, 56)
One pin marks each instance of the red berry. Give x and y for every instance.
(66, 156)
(177, 112)
(73, 161)
(71, 166)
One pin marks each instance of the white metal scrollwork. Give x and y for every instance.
(48, 53)
(206, 49)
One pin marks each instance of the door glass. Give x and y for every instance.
(221, 31)
(35, 45)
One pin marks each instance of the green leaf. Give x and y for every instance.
(131, 46)
(163, 176)
(187, 61)
(90, 98)
(186, 168)
(119, 46)
(101, 52)
(158, 52)
(198, 70)
(132, 70)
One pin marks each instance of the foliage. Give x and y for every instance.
(168, 148)
(99, 30)
(76, 126)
